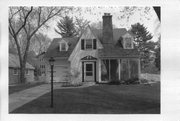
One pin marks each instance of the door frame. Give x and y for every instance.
(88, 78)
(84, 72)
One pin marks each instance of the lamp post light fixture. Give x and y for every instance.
(51, 62)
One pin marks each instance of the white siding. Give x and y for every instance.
(77, 54)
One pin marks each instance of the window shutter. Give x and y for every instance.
(82, 44)
(94, 44)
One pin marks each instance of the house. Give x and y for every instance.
(14, 70)
(42, 64)
(94, 56)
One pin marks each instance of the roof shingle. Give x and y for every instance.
(115, 52)
(53, 50)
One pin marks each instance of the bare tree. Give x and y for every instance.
(40, 43)
(81, 24)
(96, 25)
(24, 23)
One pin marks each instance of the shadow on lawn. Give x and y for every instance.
(99, 99)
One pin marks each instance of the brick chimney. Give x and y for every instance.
(107, 29)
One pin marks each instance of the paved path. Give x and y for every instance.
(18, 99)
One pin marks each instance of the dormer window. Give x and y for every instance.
(63, 46)
(128, 43)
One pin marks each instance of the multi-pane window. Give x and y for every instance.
(63, 46)
(128, 43)
(15, 72)
(88, 44)
(89, 69)
(27, 72)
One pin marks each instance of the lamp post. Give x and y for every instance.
(51, 62)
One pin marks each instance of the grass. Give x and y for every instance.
(20, 87)
(101, 99)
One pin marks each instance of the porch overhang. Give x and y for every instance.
(118, 53)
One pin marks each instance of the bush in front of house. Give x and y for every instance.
(115, 82)
(72, 79)
(131, 81)
(127, 82)
(71, 85)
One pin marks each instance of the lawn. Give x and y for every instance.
(99, 99)
(20, 87)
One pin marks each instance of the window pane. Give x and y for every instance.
(88, 67)
(89, 74)
(124, 69)
(15, 71)
(128, 43)
(26, 71)
(63, 46)
(104, 70)
(114, 70)
(88, 44)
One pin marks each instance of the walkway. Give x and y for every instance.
(18, 99)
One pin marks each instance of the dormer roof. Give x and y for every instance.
(53, 50)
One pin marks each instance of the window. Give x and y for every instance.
(128, 43)
(89, 69)
(63, 46)
(88, 44)
(15, 71)
(27, 72)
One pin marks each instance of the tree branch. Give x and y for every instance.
(25, 20)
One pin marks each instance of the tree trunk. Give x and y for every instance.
(22, 72)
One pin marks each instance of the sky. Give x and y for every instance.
(144, 15)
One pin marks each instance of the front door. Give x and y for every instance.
(89, 71)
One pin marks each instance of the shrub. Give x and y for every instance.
(132, 81)
(114, 83)
(72, 79)
(71, 84)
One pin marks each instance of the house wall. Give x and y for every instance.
(77, 54)
(61, 70)
(30, 76)
(15, 79)
(42, 65)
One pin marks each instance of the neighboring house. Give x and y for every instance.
(94, 56)
(152, 56)
(42, 64)
(14, 70)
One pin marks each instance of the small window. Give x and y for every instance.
(27, 72)
(15, 71)
(89, 69)
(128, 43)
(89, 44)
(63, 46)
